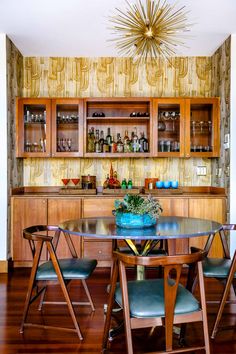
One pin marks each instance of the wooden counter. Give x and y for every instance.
(44, 205)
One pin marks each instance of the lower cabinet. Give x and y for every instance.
(177, 207)
(62, 209)
(25, 212)
(211, 209)
(93, 248)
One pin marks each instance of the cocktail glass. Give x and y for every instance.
(65, 181)
(75, 181)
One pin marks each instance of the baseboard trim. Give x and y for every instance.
(3, 266)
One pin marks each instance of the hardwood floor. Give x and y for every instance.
(12, 295)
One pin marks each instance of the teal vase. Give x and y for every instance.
(133, 221)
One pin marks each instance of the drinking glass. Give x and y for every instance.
(75, 181)
(65, 181)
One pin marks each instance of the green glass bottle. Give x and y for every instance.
(124, 184)
(130, 184)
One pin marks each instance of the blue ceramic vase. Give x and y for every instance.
(132, 221)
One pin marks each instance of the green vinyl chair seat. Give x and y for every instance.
(146, 299)
(72, 268)
(216, 267)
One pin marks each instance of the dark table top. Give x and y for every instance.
(167, 227)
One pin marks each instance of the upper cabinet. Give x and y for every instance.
(186, 127)
(49, 127)
(118, 127)
(67, 127)
(202, 127)
(169, 126)
(33, 127)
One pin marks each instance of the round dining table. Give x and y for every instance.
(170, 228)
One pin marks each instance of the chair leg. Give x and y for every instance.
(204, 311)
(42, 297)
(224, 297)
(88, 294)
(64, 288)
(31, 285)
(110, 306)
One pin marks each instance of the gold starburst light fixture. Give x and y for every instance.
(151, 29)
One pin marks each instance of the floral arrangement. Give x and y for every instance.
(136, 204)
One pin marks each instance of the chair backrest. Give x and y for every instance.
(47, 234)
(223, 234)
(172, 270)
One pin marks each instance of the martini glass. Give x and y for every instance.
(75, 181)
(65, 181)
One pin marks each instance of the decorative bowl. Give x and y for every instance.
(167, 184)
(159, 184)
(133, 221)
(174, 184)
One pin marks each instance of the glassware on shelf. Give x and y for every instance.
(65, 181)
(75, 181)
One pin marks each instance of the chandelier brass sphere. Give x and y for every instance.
(151, 30)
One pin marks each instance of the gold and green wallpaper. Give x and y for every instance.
(221, 88)
(116, 77)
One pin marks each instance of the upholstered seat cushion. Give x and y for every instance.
(216, 267)
(146, 298)
(72, 268)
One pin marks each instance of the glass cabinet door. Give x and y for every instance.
(33, 127)
(203, 127)
(67, 123)
(169, 128)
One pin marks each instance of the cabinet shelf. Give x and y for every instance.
(117, 154)
(117, 119)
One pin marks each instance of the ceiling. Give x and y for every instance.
(80, 27)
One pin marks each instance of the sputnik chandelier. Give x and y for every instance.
(151, 30)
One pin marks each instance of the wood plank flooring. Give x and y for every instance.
(36, 341)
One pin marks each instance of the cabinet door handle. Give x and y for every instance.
(100, 252)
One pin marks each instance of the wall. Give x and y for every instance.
(14, 88)
(233, 142)
(116, 77)
(3, 169)
(221, 64)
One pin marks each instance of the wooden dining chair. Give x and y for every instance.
(62, 271)
(223, 269)
(157, 302)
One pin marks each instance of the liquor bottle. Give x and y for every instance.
(97, 142)
(91, 140)
(120, 145)
(105, 147)
(135, 142)
(108, 137)
(143, 142)
(130, 184)
(113, 145)
(126, 142)
(101, 140)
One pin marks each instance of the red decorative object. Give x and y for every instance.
(65, 181)
(75, 180)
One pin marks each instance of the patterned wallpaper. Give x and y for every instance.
(116, 77)
(14, 88)
(221, 87)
